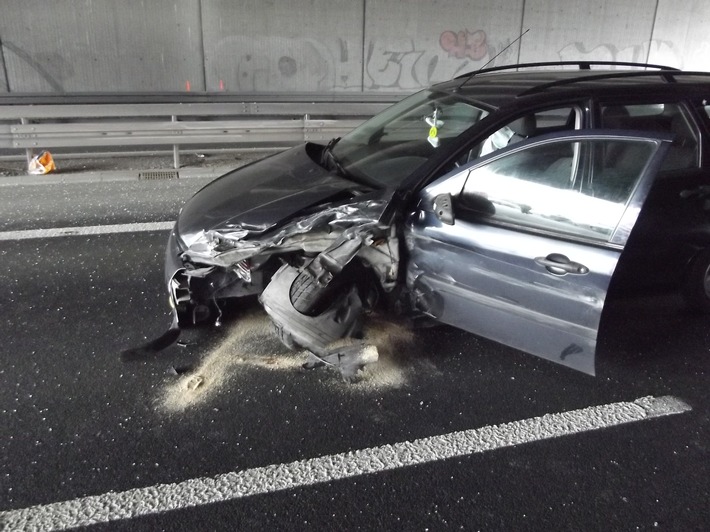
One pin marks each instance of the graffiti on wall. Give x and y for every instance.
(463, 44)
(407, 65)
(267, 63)
(659, 52)
(270, 64)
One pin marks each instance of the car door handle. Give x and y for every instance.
(559, 264)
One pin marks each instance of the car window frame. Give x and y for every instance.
(453, 183)
(702, 122)
(579, 105)
(692, 116)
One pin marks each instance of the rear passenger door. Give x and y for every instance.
(520, 247)
(668, 234)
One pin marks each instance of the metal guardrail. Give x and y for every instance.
(35, 122)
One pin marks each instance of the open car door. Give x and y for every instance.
(520, 246)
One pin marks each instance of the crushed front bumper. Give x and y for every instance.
(194, 290)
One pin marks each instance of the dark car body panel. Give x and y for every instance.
(497, 279)
(262, 195)
(672, 228)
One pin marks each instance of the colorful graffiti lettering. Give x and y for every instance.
(464, 44)
(409, 65)
(399, 65)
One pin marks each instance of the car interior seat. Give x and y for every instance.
(523, 128)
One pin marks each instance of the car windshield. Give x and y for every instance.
(393, 144)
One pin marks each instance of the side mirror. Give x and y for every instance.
(477, 204)
(443, 208)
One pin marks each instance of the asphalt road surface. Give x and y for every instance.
(226, 430)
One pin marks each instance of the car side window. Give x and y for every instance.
(658, 118)
(531, 125)
(542, 187)
(521, 128)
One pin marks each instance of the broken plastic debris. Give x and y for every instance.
(168, 338)
(194, 382)
(42, 164)
(349, 360)
(178, 370)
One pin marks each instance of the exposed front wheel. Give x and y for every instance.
(696, 286)
(322, 320)
(310, 297)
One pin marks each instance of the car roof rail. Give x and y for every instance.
(667, 73)
(669, 76)
(582, 65)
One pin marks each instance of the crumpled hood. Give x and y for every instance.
(259, 196)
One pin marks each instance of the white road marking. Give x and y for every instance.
(84, 231)
(261, 480)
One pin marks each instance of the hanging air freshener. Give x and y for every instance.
(435, 124)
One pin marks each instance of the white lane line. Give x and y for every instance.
(261, 480)
(83, 231)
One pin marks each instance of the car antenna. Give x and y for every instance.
(492, 59)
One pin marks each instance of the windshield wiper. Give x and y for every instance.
(329, 161)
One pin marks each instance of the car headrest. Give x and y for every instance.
(615, 117)
(524, 126)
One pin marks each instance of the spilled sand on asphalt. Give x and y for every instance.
(394, 344)
(251, 343)
(248, 342)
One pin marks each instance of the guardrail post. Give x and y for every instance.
(176, 150)
(28, 151)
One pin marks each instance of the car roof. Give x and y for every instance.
(500, 86)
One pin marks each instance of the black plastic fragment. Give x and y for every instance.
(167, 339)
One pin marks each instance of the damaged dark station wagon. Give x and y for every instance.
(499, 202)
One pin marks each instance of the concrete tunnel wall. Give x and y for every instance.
(325, 45)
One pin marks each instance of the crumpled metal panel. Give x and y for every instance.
(227, 247)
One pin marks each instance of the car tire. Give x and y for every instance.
(311, 298)
(305, 294)
(696, 286)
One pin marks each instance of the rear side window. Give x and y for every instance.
(658, 118)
